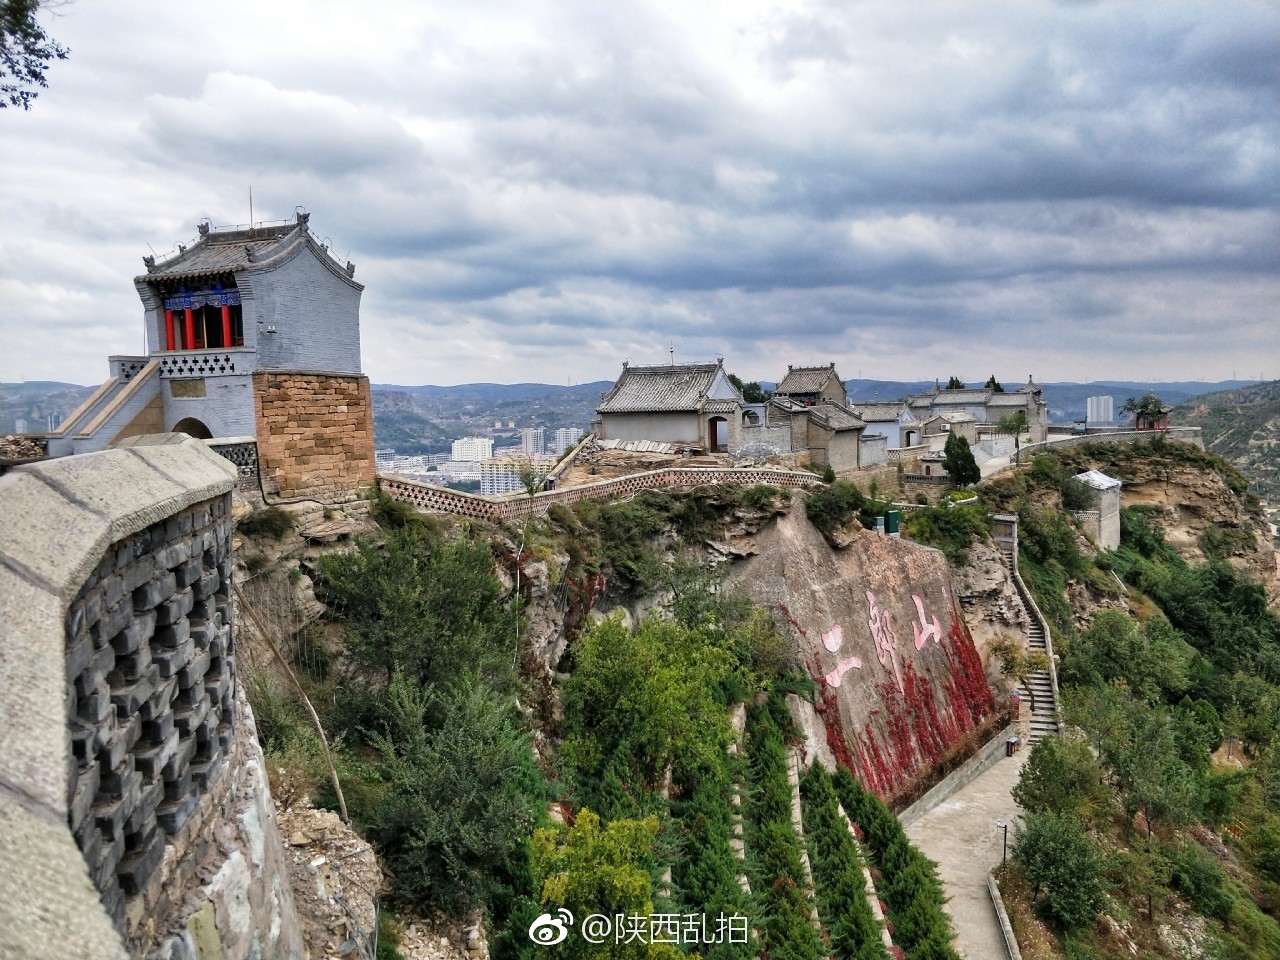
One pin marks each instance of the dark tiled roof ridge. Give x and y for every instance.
(672, 367)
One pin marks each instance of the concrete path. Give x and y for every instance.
(962, 836)
(992, 466)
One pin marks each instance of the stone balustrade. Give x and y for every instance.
(433, 499)
(242, 452)
(895, 454)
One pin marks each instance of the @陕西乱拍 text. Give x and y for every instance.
(675, 928)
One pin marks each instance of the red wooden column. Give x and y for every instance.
(168, 329)
(226, 327)
(189, 342)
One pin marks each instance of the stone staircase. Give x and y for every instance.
(1038, 692)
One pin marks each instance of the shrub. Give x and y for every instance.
(269, 522)
(1059, 858)
(773, 845)
(462, 794)
(430, 609)
(1201, 881)
(910, 885)
(391, 514)
(837, 872)
(763, 496)
(834, 505)
(952, 530)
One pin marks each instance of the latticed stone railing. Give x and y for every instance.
(906, 453)
(243, 453)
(207, 363)
(433, 499)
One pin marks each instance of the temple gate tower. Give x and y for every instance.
(253, 338)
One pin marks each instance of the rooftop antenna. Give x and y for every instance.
(672, 349)
(251, 207)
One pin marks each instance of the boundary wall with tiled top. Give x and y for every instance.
(433, 499)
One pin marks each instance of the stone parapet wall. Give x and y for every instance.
(433, 499)
(243, 453)
(117, 706)
(315, 434)
(149, 670)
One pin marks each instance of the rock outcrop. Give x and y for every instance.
(879, 628)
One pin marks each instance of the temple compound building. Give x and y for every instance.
(696, 406)
(985, 405)
(253, 343)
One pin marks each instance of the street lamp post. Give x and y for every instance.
(1004, 855)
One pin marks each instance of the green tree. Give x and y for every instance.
(1014, 425)
(955, 383)
(25, 53)
(959, 461)
(1017, 662)
(1153, 778)
(462, 793)
(993, 384)
(637, 700)
(429, 609)
(1146, 406)
(530, 473)
(751, 390)
(1059, 859)
(1062, 776)
(590, 868)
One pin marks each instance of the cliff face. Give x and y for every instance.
(878, 625)
(1197, 509)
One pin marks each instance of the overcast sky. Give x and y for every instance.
(536, 191)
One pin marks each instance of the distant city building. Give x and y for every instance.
(1100, 410)
(383, 457)
(55, 421)
(566, 439)
(20, 426)
(532, 441)
(500, 475)
(472, 448)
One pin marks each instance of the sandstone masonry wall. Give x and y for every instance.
(315, 434)
(132, 806)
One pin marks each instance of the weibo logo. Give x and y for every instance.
(548, 931)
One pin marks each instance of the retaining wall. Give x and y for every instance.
(119, 749)
(1189, 435)
(433, 499)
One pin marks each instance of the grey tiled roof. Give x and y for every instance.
(1097, 480)
(220, 253)
(675, 389)
(878, 411)
(1008, 400)
(720, 406)
(805, 379)
(836, 417)
(960, 396)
